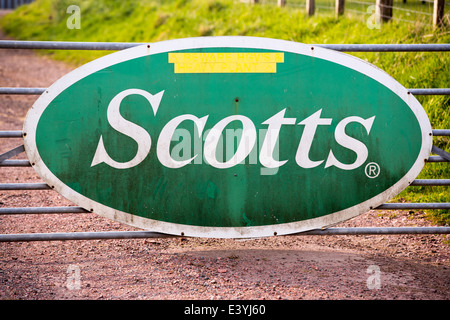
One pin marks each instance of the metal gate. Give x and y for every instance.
(5, 158)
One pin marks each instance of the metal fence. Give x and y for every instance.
(6, 161)
(13, 4)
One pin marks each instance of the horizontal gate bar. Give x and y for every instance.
(56, 210)
(69, 45)
(41, 210)
(385, 47)
(81, 236)
(44, 186)
(26, 163)
(436, 159)
(407, 206)
(24, 186)
(11, 134)
(441, 132)
(32, 91)
(18, 237)
(378, 231)
(38, 91)
(431, 91)
(15, 163)
(431, 182)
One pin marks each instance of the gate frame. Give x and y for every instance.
(442, 156)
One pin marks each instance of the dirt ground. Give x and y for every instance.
(408, 267)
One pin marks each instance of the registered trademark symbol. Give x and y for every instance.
(372, 170)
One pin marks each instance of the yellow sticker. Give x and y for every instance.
(226, 62)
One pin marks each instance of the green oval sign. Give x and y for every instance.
(228, 137)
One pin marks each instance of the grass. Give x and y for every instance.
(157, 20)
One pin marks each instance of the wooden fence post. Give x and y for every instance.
(254, 1)
(438, 12)
(340, 4)
(384, 9)
(310, 7)
(281, 3)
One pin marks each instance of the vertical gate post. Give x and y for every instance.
(340, 4)
(438, 12)
(310, 7)
(281, 3)
(254, 1)
(384, 9)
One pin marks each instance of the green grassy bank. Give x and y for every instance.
(156, 20)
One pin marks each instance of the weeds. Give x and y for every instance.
(157, 20)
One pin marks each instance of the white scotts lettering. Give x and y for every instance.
(273, 132)
(310, 123)
(246, 144)
(350, 143)
(128, 128)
